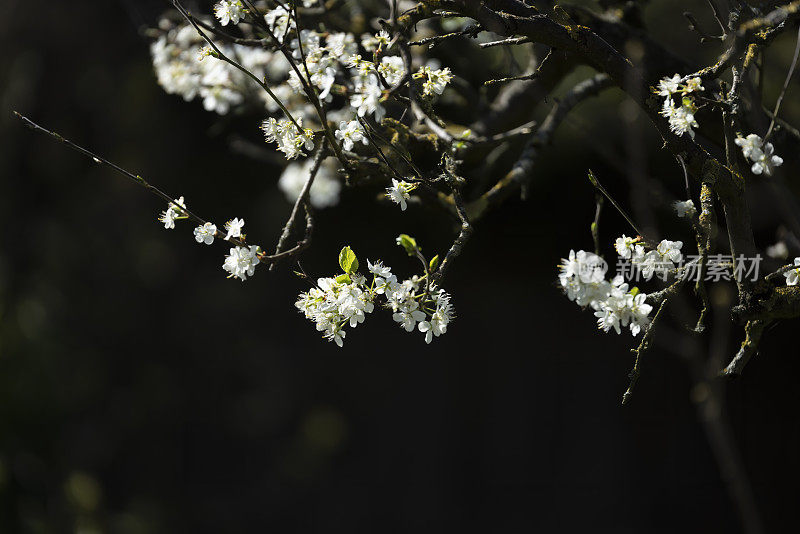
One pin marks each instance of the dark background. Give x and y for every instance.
(141, 391)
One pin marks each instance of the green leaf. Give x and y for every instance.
(434, 263)
(343, 278)
(348, 261)
(408, 243)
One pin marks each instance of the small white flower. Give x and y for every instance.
(289, 138)
(241, 262)
(350, 133)
(174, 211)
(681, 119)
(684, 208)
(668, 86)
(793, 275)
(229, 11)
(436, 80)
(234, 228)
(778, 251)
(750, 145)
(766, 160)
(205, 233)
(670, 250)
(399, 192)
(692, 85)
(625, 246)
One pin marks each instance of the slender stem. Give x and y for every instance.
(596, 183)
(785, 86)
(159, 193)
(302, 198)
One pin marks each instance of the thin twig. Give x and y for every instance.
(785, 86)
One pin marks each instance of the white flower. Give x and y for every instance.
(437, 324)
(668, 86)
(174, 211)
(350, 133)
(409, 317)
(367, 98)
(392, 69)
(779, 251)
(670, 250)
(241, 262)
(379, 269)
(289, 138)
(766, 161)
(436, 80)
(793, 275)
(625, 246)
(684, 208)
(229, 11)
(280, 22)
(399, 192)
(334, 304)
(692, 85)
(341, 44)
(751, 146)
(234, 228)
(582, 278)
(376, 42)
(205, 233)
(681, 119)
(639, 311)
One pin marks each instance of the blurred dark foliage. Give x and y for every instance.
(141, 391)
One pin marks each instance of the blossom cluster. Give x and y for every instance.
(662, 260)
(681, 114)
(345, 300)
(183, 67)
(241, 261)
(761, 154)
(347, 74)
(615, 305)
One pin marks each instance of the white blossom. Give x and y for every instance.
(241, 262)
(205, 233)
(692, 85)
(349, 133)
(668, 86)
(750, 145)
(290, 139)
(760, 153)
(681, 118)
(229, 11)
(437, 323)
(435, 80)
(793, 275)
(399, 192)
(174, 211)
(766, 161)
(684, 208)
(779, 250)
(625, 246)
(392, 69)
(234, 228)
(280, 22)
